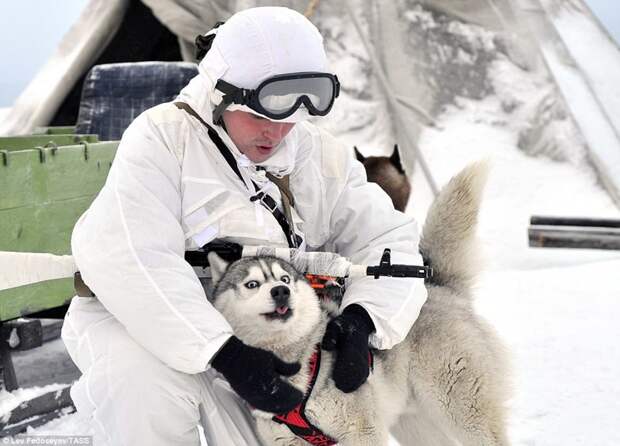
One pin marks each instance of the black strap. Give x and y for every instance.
(266, 200)
(228, 156)
(81, 289)
(288, 202)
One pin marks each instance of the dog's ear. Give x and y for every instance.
(218, 266)
(395, 160)
(358, 155)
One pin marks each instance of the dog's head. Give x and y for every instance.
(265, 300)
(389, 174)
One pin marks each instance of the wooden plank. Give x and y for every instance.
(54, 130)
(29, 141)
(51, 329)
(40, 201)
(23, 333)
(538, 220)
(40, 420)
(40, 405)
(41, 228)
(550, 237)
(31, 332)
(45, 228)
(30, 299)
(66, 173)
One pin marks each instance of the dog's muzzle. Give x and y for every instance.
(280, 295)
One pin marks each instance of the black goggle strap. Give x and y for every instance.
(232, 95)
(203, 42)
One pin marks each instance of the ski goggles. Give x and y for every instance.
(280, 96)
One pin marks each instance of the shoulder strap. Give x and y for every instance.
(221, 146)
(284, 220)
(283, 185)
(288, 201)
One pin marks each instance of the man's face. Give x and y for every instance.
(255, 137)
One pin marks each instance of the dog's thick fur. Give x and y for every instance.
(445, 384)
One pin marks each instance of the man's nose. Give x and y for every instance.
(274, 130)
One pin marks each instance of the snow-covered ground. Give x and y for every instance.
(556, 309)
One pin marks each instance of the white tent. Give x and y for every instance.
(401, 62)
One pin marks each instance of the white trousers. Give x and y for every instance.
(130, 397)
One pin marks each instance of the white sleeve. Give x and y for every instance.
(363, 223)
(129, 247)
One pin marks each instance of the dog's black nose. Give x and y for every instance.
(280, 295)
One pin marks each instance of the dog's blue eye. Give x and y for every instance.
(285, 279)
(252, 284)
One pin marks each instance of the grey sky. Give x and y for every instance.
(31, 29)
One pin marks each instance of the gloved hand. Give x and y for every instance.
(255, 374)
(348, 335)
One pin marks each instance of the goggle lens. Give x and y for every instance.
(282, 95)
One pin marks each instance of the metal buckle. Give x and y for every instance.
(271, 208)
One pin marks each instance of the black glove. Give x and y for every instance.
(254, 374)
(348, 334)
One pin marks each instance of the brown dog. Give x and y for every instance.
(389, 174)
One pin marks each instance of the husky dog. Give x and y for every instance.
(389, 174)
(445, 384)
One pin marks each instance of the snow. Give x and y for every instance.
(560, 324)
(10, 400)
(519, 185)
(556, 309)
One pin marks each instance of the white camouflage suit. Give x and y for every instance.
(144, 343)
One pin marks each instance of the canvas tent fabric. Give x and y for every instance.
(189, 18)
(421, 57)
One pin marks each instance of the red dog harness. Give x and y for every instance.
(296, 419)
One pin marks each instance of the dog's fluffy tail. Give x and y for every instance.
(447, 242)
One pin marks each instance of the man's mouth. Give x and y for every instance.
(281, 313)
(265, 149)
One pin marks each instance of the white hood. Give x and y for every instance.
(254, 45)
(258, 43)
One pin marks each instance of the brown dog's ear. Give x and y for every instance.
(218, 266)
(395, 160)
(358, 155)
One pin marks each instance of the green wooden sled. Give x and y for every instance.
(43, 192)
